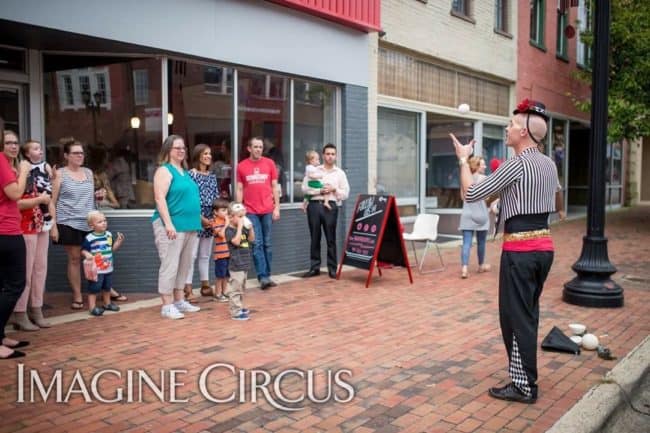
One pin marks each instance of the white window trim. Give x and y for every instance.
(541, 30)
(503, 17)
(139, 100)
(74, 75)
(220, 87)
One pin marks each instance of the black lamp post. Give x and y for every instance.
(94, 106)
(593, 287)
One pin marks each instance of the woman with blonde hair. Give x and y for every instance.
(176, 221)
(474, 219)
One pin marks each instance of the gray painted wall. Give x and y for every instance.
(136, 263)
(247, 32)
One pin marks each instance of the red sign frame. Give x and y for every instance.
(391, 211)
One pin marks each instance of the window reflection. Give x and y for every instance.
(94, 99)
(493, 145)
(314, 126)
(201, 103)
(443, 190)
(397, 162)
(263, 110)
(114, 106)
(558, 152)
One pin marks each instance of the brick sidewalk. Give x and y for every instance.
(422, 356)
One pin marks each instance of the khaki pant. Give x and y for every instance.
(235, 291)
(36, 260)
(175, 257)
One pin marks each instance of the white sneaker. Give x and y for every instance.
(185, 307)
(171, 312)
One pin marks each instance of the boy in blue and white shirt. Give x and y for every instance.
(98, 247)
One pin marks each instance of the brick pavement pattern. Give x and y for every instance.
(422, 356)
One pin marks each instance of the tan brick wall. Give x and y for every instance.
(429, 28)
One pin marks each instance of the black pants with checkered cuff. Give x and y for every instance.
(521, 279)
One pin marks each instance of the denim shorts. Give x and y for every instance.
(221, 268)
(103, 284)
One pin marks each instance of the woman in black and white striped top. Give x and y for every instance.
(73, 195)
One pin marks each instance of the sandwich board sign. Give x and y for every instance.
(375, 235)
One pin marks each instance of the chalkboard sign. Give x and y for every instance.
(375, 234)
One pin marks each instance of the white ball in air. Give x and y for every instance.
(463, 108)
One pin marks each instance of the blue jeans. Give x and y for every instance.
(262, 245)
(481, 236)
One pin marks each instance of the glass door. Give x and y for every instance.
(11, 108)
(558, 152)
(398, 134)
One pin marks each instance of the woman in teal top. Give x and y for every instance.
(176, 221)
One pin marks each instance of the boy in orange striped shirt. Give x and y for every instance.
(221, 254)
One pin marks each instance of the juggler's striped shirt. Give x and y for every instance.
(526, 183)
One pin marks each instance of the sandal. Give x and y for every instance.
(77, 305)
(189, 295)
(118, 297)
(484, 268)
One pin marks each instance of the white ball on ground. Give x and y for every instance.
(589, 341)
(463, 108)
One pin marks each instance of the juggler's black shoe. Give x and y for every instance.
(511, 393)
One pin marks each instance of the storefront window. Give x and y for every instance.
(397, 149)
(263, 110)
(200, 102)
(10, 101)
(614, 166)
(113, 106)
(96, 100)
(314, 126)
(493, 144)
(442, 190)
(12, 59)
(558, 152)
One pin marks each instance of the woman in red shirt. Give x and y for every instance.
(12, 244)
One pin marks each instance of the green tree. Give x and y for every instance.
(629, 70)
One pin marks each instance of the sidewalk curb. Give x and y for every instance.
(154, 301)
(591, 412)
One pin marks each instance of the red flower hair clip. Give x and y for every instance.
(525, 105)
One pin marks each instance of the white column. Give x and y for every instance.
(36, 127)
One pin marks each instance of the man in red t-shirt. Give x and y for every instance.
(257, 189)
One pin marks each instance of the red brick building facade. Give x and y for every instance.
(549, 54)
(545, 74)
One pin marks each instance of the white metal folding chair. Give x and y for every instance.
(425, 230)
